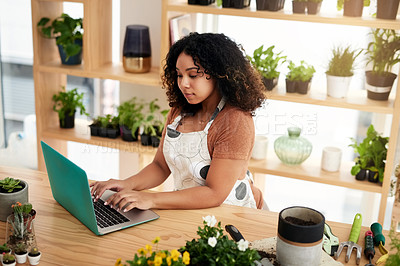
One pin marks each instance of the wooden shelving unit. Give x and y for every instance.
(50, 75)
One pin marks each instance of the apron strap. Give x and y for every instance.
(220, 106)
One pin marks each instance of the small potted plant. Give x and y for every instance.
(95, 127)
(298, 79)
(266, 62)
(21, 252)
(3, 250)
(340, 71)
(68, 33)
(235, 3)
(148, 124)
(299, 6)
(130, 118)
(313, 6)
(383, 52)
(65, 104)
(34, 256)
(270, 5)
(11, 191)
(109, 126)
(8, 259)
(372, 151)
(352, 8)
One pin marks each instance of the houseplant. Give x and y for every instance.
(340, 71)
(109, 126)
(65, 104)
(21, 252)
(68, 33)
(266, 62)
(95, 126)
(11, 191)
(4, 249)
(20, 226)
(313, 6)
(152, 126)
(34, 256)
(298, 79)
(214, 248)
(383, 52)
(270, 5)
(299, 6)
(130, 117)
(8, 259)
(372, 153)
(352, 8)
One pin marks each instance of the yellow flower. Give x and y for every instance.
(186, 258)
(150, 262)
(161, 254)
(156, 240)
(157, 260)
(169, 260)
(175, 254)
(141, 251)
(118, 262)
(148, 248)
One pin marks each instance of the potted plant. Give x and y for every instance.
(34, 256)
(11, 191)
(352, 8)
(95, 127)
(383, 52)
(372, 153)
(68, 34)
(130, 118)
(212, 247)
(4, 249)
(340, 71)
(299, 6)
(65, 104)
(270, 5)
(109, 126)
(387, 9)
(21, 252)
(298, 79)
(8, 259)
(159, 127)
(235, 3)
(313, 6)
(266, 62)
(148, 123)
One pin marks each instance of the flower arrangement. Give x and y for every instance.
(146, 256)
(214, 248)
(20, 225)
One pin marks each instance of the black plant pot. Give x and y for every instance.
(145, 140)
(290, 86)
(362, 175)
(236, 3)
(112, 133)
(270, 83)
(201, 2)
(353, 8)
(72, 60)
(373, 176)
(155, 141)
(103, 132)
(126, 134)
(380, 85)
(387, 9)
(299, 7)
(303, 87)
(313, 8)
(94, 130)
(270, 5)
(68, 121)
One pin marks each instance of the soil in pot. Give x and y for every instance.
(271, 256)
(298, 221)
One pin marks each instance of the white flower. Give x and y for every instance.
(242, 244)
(210, 220)
(212, 241)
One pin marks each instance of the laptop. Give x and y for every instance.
(70, 187)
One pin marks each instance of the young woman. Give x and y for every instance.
(213, 92)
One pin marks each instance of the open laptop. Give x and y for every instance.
(70, 188)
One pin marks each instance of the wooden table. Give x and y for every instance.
(63, 240)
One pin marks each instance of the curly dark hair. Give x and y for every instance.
(237, 81)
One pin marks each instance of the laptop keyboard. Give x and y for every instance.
(107, 216)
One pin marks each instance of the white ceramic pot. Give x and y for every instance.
(34, 260)
(260, 148)
(337, 87)
(21, 258)
(9, 264)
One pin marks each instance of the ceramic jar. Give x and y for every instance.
(292, 149)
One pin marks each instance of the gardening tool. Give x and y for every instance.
(330, 242)
(379, 240)
(369, 250)
(352, 243)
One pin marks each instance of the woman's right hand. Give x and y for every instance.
(116, 185)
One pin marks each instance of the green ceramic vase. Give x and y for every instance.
(292, 149)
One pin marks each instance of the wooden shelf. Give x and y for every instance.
(356, 100)
(81, 133)
(310, 170)
(331, 18)
(114, 71)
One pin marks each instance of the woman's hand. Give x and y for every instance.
(99, 187)
(128, 199)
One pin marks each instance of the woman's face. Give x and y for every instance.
(194, 84)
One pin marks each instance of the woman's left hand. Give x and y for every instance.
(126, 200)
